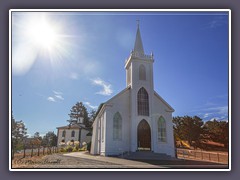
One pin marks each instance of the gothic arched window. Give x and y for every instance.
(117, 126)
(64, 133)
(143, 103)
(142, 72)
(162, 130)
(73, 134)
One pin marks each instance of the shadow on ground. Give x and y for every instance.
(185, 164)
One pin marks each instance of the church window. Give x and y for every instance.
(73, 133)
(117, 127)
(162, 130)
(64, 133)
(142, 72)
(143, 102)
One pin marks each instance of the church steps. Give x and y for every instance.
(147, 155)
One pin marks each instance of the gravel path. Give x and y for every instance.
(83, 160)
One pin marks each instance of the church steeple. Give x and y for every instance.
(138, 47)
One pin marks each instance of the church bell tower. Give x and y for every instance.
(139, 65)
(139, 77)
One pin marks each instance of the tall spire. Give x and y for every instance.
(138, 47)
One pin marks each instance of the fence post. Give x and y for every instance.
(38, 151)
(209, 157)
(218, 156)
(32, 151)
(202, 154)
(43, 150)
(24, 153)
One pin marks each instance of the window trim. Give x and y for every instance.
(64, 133)
(73, 133)
(162, 130)
(117, 127)
(142, 102)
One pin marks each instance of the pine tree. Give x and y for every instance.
(79, 111)
(188, 128)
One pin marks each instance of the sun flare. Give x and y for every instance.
(42, 33)
(37, 36)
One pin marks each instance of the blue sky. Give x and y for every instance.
(85, 62)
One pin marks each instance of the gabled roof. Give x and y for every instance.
(74, 126)
(102, 105)
(120, 93)
(161, 99)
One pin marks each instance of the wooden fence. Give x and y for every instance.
(35, 152)
(203, 155)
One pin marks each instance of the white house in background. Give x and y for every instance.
(137, 118)
(73, 133)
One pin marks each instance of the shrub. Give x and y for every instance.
(75, 149)
(69, 149)
(89, 146)
(63, 150)
(83, 149)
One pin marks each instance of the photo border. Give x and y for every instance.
(117, 10)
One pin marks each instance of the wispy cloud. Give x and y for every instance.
(51, 99)
(106, 87)
(58, 95)
(218, 113)
(57, 92)
(217, 21)
(90, 105)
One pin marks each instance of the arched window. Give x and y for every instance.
(143, 104)
(142, 72)
(117, 126)
(73, 134)
(64, 133)
(162, 130)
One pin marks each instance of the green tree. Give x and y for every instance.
(92, 116)
(37, 140)
(77, 112)
(50, 139)
(188, 128)
(19, 133)
(217, 131)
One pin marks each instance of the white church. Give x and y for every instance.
(137, 118)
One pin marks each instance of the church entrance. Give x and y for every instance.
(144, 136)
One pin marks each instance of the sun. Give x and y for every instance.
(42, 33)
(38, 36)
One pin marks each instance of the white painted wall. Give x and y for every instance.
(119, 104)
(161, 109)
(68, 137)
(94, 145)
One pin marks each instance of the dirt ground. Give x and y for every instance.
(79, 160)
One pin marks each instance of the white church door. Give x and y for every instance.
(144, 135)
